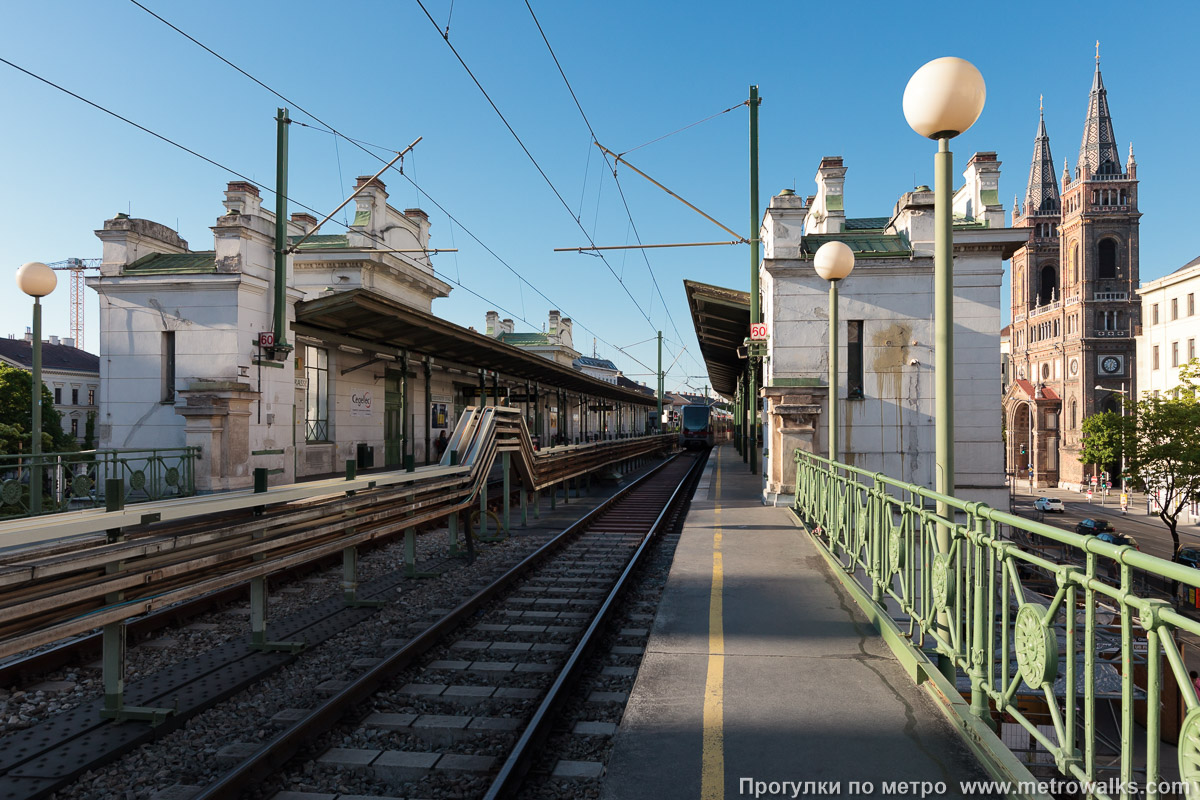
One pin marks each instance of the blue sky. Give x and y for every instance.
(831, 77)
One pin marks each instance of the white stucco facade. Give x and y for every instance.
(1170, 334)
(886, 394)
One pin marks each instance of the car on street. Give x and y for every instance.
(1189, 555)
(1090, 526)
(1119, 539)
(1049, 504)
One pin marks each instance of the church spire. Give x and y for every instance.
(1041, 196)
(1098, 150)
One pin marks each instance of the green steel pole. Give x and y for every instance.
(658, 425)
(281, 243)
(35, 473)
(833, 370)
(943, 358)
(754, 309)
(428, 409)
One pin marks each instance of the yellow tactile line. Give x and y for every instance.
(712, 759)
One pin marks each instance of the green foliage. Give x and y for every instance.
(1104, 438)
(1165, 452)
(89, 432)
(16, 412)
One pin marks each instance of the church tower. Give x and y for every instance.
(1074, 309)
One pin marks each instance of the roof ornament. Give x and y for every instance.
(1042, 105)
(1097, 54)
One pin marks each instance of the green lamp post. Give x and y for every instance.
(943, 99)
(833, 261)
(36, 280)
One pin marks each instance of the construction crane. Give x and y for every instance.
(77, 266)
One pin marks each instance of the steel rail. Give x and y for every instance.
(512, 773)
(160, 568)
(273, 755)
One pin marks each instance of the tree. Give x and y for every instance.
(1165, 454)
(89, 432)
(1104, 438)
(16, 411)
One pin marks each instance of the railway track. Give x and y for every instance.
(501, 694)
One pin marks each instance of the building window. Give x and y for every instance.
(1174, 354)
(74, 397)
(1154, 360)
(854, 358)
(1191, 349)
(1191, 304)
(91, 397)
(1154, 314)
(75, 428)
(316, 411)
(1075, 264)
(1074, 415)
(168, 367)
(58, 395)
(1048, 285)
(1174, 308)
(1107, 260)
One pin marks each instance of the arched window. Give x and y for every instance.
(1047, 285)
(1106, 254)
(1075, 263)
(1074, 414)
(1110, 404)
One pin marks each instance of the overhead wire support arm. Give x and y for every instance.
(642, 246)
(355, 194)
(620, 160)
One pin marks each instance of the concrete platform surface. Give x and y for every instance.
(776, 676)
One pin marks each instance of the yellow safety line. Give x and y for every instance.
(712, 760)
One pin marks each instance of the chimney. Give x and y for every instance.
(305, 222)
(564, 332)
(242, 198)
(506, 326)
(493, 324)
(29, 334)
(827, 212)
(54, 340)
(979, 197)
(370, 214)
(554, 319)
(783, 226)
(68, 342)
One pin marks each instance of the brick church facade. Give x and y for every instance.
(1075, 311)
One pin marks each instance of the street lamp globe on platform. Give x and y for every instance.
(833, 261)
(36, 280)
(943, 99)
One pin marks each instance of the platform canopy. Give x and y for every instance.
(722, 320)
(373, 323)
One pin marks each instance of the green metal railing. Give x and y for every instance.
(77, 480)
(1041, 627)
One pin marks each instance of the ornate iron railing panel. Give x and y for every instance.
(77, 480)
(1042, 628)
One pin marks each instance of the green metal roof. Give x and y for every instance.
(524, 339)
(178, 263)
(322, 241)
(864, 244)
(867, 223)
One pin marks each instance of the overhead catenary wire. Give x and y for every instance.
(362, 145)
(592, 131)
(535, 162)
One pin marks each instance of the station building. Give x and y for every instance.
(374, 376)
(885, 337)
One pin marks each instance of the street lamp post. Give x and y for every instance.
(943, 99)
(833, 261)
(36, 280)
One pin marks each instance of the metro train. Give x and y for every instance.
(703, 426)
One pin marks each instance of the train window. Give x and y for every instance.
(854, 359)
